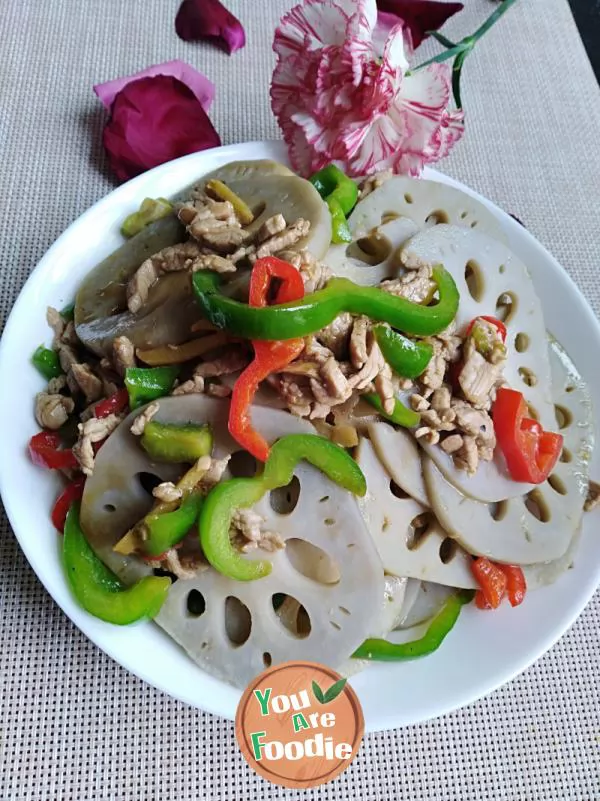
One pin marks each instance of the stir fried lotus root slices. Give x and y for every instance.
(538, 526)
(329, 566)
(101, 312)
(409, 539)
(382, 222)
(492, 281)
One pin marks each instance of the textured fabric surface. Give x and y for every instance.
(74, 726)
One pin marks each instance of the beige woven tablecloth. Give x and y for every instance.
(74, 726)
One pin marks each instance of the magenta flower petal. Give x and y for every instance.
(209, 19)
(202, 88)
(153, 120)
(420, 16)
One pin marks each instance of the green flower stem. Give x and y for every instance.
(460, 50)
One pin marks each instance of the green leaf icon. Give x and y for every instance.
(335, 689)
(318, 693)
(331, 694)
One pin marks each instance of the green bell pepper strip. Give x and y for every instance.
(401, 416)
(340, 193)
(146, 384)
(176, 442)
(313, 312)
(68, 313)
(46, 362)
(168, 529)
(440, 626)
(149, 211)
(240, 493)
(97, 588)
(404, 356)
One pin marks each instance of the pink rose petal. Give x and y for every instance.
(420, 16)
(154, 120)
(209, 19)
(202, 88)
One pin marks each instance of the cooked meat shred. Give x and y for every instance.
(52, 410)
(86, 381)
(141, 421)
(248, 524)
(92, 431)
(270, 227)
(167, 492)
(373, 182)
(175, 258)
(484, 357)
(194, 386)
(284, 239)
(414, 285)
(123, 354)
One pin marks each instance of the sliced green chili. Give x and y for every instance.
(241, 493)
(46, 362)
(150, 210)
(145, 384)
(97, 588)
(405, 356)
(401, 416)
(167, 529)
(440, 626)
(176, 442)
(315, 311)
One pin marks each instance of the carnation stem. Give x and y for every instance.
(460, 50)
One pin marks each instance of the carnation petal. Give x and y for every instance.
(154, 120)
(203, 89)
(209, 19)
(420, 16)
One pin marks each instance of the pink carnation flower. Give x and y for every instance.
(341, 92)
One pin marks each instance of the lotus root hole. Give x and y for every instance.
(372, 249)
(463, 215)
(408, 198)
(528, 377)
(242, 465)
(498, 510)
(506, 306)
(570, 388)
(564, 418)
(557, 484)
(109, 507)
(437, 217)
(474, 280)
(238, 621)
(566, 456)
(284, 500)
(397, 491)
(521, 342)
(448, 550)
(195, 603)
(502, 269)
(312, 562)
(148, 481)
(389, 216)
(537, 506)
(293, 616)
(417, 530)
(267, 659)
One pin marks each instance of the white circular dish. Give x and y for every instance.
(484, 651)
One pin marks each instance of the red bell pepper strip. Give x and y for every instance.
(73, 492)
(516, 586)
(112, 405)
(493, 321)
(492, 581)
(530, 452)
(44, 452)
(269, 356)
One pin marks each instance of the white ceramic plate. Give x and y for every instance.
(483, 652)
